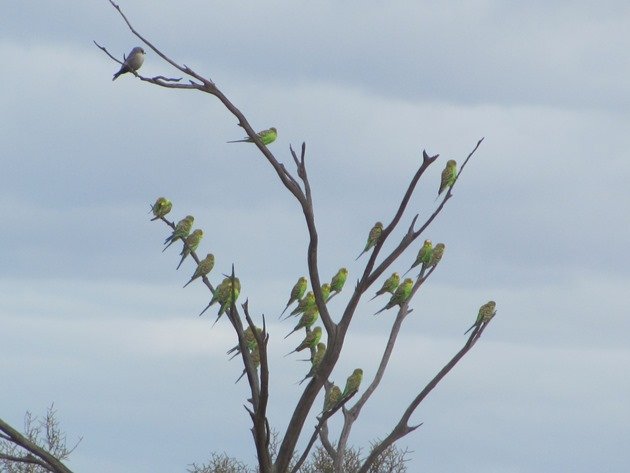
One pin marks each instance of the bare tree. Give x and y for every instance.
(338, 453)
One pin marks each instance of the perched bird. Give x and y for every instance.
(161, 207)
(424, 256)
(222, 292)
(373, 237)
(436, 254)
(486, 312)
(307, 301)
(308, 318)
(338, 280)
(332, 398)
(228, 296)
(266, 136)
(250, 341)
(449, 175)
(400, 296)
(132, 62)
(311, 340)
(182, 230)
(390, 285)
(352, 383)
(255, 360)
(316, 361)
(325, 291)
(297, 292)
(203, 268)
(191, 243)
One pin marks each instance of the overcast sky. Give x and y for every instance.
(93, 316)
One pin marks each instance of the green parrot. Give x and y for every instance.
(338, 280)
(352, 383)
(373, 237)
(449, 175)
(400, 296)
(222, 292)
(316, 361)
(332, 398)
(390, 285)
(311, 340)
(325, 291)
(307, 301)
(266, 136)
(161, 207)
(486, 312)
(182, 230)
(297, 292)
(250, 341)
(424, 256)
(203, 268)
(309, 317)
(255, 359)
(225, 298)
(191, 243)
(437, 254)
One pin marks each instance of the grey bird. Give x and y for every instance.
(133, 61)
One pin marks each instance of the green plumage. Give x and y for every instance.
(373, 237)
(486, 312)
(325, 291)
(316, 361)
(307, 320)
(400, 296)
(304, 304)
(191, 243)
(203, 268)
(182, 230)
(250, 341)
(436, 254)
(332, 398)
(390, 285)
(338, 280)
(449, 175)
(352, 383)
(311, 340)
(266, 136)
(161, 207)
(228, 296)
(297, 292)
(423, 257)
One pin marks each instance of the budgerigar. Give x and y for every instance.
(132, 62)
(203, 268)
(449, 175)
(424, 256)
(191, 243)
(338, 280)
(352, 383)
(266, 136)
(182, 230)
(255, 359)
(400, 296)
(221, 293)
(161, 207)
(486, 312)
(390, 285)
(311, 340)
(436, 254)
(332, 398)
(325, 291)
(297, 292)
(307, 301)
(373, 237)
(308, 318)
(228, 296)
(316, 361)
(250, 341)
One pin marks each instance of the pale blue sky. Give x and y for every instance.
(93, 316)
